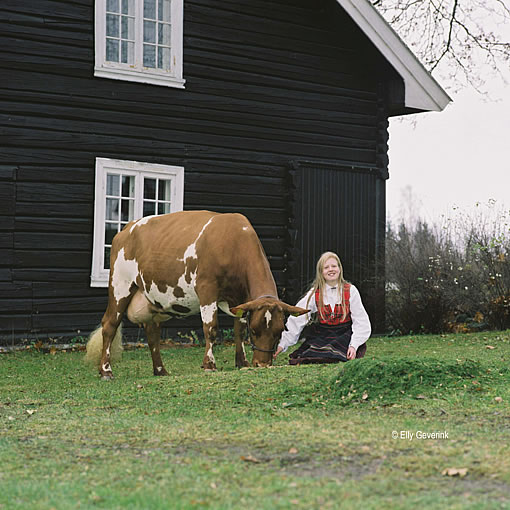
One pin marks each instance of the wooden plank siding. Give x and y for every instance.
(268, 83)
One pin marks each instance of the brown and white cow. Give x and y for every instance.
(180, 264)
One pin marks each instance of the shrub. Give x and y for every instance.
(454, 277)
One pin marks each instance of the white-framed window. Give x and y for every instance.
(139, 40)
(125, 191)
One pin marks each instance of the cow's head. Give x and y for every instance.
(265, 320)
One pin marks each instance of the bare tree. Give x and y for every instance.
(460, 40)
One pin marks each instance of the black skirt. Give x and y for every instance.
(325, 344)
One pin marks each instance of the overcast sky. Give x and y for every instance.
(454, 158)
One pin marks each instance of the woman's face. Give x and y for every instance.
(331, 271)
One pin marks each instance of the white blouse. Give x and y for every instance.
(361, 328)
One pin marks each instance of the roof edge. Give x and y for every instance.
(422, 91)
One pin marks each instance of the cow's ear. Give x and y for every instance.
(244, 308)
(296, 311)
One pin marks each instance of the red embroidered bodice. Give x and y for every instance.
(334, 318)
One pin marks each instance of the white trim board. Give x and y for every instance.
(422, 92)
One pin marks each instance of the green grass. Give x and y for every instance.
(280, 438)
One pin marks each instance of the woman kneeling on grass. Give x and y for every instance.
(343, 326)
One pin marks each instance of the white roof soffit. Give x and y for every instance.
(422, 91)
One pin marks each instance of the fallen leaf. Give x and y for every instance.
(421, 397)
(293, 451)
(364, 396)
(498, 399)
(30, 411)
(462, 472)
(213, 485)
(490, 347)
(53, 351)
(249, 458)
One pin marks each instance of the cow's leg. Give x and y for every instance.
(239, 334)
(110, 323)
(153, 331)
(209, 314)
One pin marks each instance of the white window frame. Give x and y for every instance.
(137, 72)
(99, 276)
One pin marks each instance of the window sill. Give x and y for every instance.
(139, 76)
(98, 282)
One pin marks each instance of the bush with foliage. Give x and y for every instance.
(453, 277)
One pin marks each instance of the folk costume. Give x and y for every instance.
(336, 329)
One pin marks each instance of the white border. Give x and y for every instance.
(99, 275)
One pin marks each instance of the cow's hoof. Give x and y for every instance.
(106, 377)
(160, 371)
(209, 367)
(243, 365)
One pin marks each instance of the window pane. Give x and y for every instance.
(112, 5)
(127, 210)
(164, 10)
(112, 25)
(112, 50)
(128, 186)
(149, 55)
(149, 32)
(109, 233)
(128, 28)
(164, 58)
(164, 190)
(106, 257)
(112, 209)
(149, 189)
(164, 33)
(163, 207)
(127, 54)
(128, 7)
(112, 184)
(149, 9)
(149, 208)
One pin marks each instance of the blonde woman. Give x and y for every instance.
(342, 326)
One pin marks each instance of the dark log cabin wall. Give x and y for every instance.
(269, 83)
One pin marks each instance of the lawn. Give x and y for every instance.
(280, 438)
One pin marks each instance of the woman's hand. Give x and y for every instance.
(351, 353)
(277, 352)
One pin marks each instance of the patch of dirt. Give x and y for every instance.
(338, 467)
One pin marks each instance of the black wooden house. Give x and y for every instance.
(114, 109)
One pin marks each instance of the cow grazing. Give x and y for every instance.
(180, 264)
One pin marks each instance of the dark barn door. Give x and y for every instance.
(342, 210)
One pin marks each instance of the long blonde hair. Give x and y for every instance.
(320, 282)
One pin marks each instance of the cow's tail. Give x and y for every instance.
(95, 346)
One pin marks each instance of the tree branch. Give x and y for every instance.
(449, 41)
